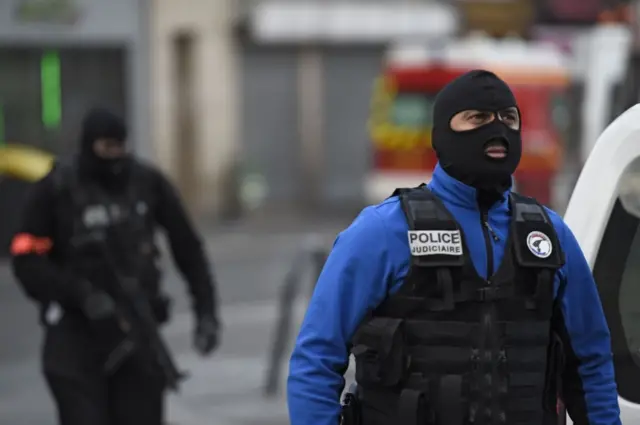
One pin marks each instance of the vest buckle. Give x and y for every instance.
(487, 294)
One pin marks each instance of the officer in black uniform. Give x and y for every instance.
(104, 195)
(461, 301)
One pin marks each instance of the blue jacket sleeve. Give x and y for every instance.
(588, 383)
(354, 280)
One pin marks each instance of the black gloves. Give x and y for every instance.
(93, 302)
(207, 334)
(161, 306)
(100, 308)
(98, 305)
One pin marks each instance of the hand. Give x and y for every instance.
(100, 309)
(161, 306)
(207, 335)
(98, 306)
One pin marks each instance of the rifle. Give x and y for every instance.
(137, 319)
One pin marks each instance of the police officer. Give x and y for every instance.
(105, 191)
(461, 301)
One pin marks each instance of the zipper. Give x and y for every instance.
(489, 341)
(488, 234)
(492, 232)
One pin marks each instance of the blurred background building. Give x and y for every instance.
(306, 103)
(264, 107)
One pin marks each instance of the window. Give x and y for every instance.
(45, 94)
(617, 272)
(412, 110)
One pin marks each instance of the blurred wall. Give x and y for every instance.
(308, 71)
(292, 111)
(194, 98)
(313, 148)
(220, 100)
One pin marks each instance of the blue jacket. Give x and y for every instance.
(371, 258)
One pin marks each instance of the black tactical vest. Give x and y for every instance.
(451, 348)
(123, 222)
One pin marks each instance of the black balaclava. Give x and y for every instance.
(461, 154)
(101, 123)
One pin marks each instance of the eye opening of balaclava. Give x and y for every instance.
(103, 126)
(463, 154)
(471, 119)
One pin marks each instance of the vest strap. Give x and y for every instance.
(449, 407)
(535, 240)
(544, 290)
(445, 279)
(427, 219)
(536, 246)
(405, 305)
(412, 407)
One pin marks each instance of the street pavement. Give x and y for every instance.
(250, 262)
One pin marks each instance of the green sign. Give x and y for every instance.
(66, 12)
(51, 90)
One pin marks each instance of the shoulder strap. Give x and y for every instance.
(434, 236)
(66, 180)
(402, 190)
(64, 177)
(534, 236)
(435, 242)
(536, 247)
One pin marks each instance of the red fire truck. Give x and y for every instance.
(401, 109)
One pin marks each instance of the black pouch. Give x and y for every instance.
(380, 353)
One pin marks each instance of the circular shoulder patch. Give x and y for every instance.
(539, 244)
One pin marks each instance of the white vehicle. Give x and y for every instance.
(604, 214)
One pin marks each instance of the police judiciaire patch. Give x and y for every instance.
(435, 242)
